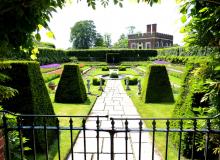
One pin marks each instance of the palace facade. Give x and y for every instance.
(150, 40)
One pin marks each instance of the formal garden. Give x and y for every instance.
(47, 95)
(164, 85)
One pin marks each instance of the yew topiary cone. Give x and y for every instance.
(157, 88)
(71, 88)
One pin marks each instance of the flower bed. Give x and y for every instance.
(49, 67)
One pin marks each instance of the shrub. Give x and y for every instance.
(96, 81)
(48, 56)
(32, 98)
(71, 88)
(113, 75)
(132, 80)
(157, 86)
(105, 68)
(190, 100)
(122, 68)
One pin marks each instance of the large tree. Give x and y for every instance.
(122, 42)
(202, 22)
(83, 34)
(99, 41)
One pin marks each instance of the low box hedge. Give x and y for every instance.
(96, 81)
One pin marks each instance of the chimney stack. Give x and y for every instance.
(149, 28)
(154, 28)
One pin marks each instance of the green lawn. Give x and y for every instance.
(175, 80)
(153, 110)
(69, 109)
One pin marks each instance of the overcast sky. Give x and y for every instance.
(115, 20)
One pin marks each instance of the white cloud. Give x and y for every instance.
(114, 20)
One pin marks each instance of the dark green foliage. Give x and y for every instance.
(122, 68)
(132, 80)
(100, 54)
(183, 59)
(157, 86)
(198, 98)
(113, 75)
(45, 56)
(71, 88)
(188, 51)
(113, 58)
(83, 34)
(32, 98)
(48, 56)
(105, 68)
(96, 81)
(19, 19)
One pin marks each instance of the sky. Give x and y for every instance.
(114, 20)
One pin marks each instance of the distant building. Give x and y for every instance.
(151, 39)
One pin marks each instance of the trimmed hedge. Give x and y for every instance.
(48, 56)
(32, 98)
(189, 51)
(96, 81)
(188, 104)
(100, 54)
(113, 75)
(183, 59)
(122, 68)
(157, 86)
(132, 80)
(71, 88)
(113, 58)
(105, 68)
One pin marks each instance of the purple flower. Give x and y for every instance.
(160, 62)
(50, 66)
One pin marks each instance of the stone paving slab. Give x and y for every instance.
(115, 103)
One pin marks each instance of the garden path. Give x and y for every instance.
(116, 103)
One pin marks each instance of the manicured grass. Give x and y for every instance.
(69, 109)
(153, 110)
(87, 63)
(65, 138)
(129, 71)
(175, 80)
(97, 71)
(176, 67)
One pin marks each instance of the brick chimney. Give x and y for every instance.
(149, 28)
(154, 28)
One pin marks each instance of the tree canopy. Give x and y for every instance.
(122, 42)
(202, 22)
(20, 18)
(83, 34)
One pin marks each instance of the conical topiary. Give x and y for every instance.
(71, 88)
(157, 86)
(32, 98)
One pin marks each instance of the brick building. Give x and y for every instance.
(151, 39)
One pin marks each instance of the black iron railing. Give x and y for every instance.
(204, 127)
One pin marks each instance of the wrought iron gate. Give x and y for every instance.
(182, 129)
